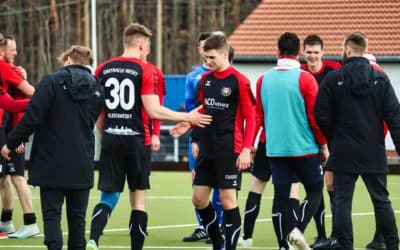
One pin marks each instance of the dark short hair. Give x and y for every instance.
(203, 36)
(79, 55)
(289, 44)
(216, 42)
(313, 40)
(357, 40)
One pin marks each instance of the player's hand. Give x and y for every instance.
(155, 143)
(199, 119)
(22, 71)
(179, 129)
(5, 152)
(195, 150)
(329, 180)
(20, 149)
(244, 159)
(324, 152)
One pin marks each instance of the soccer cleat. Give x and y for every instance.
(373, 245)
(245, 242)
(297, 238)
(3, 236)
(198, 234)
(26, 231)
(331, 243)
(91, 245)
(317, 241)
(7, 227)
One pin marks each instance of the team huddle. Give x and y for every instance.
(317, 119)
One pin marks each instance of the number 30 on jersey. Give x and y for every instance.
(117, 93)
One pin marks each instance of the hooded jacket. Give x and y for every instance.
(62, 114)
(351, 105)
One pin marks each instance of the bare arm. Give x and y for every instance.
(26, 88)
(156, 111)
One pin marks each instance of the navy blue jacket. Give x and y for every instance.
(62, 114)
(350, 108)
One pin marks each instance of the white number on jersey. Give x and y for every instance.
(117, 94)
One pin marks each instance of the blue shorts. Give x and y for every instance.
(286, 170)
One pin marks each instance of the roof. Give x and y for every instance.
(257, 36)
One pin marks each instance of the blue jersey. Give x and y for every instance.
(192, 86)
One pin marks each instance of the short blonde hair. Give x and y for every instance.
(79, 55)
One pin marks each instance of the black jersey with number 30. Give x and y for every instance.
(125, 80)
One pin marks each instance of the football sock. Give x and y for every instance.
(250, 215)
(138, 229)
(101, 213)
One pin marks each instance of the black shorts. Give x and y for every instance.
(218, 172)
(261, 168)
(134, 166)
(16, 165)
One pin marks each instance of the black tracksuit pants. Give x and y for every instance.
(344, 184)
(52, 201)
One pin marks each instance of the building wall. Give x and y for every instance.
(254, 70)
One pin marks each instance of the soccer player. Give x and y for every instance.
(294, 142)
(14, 76)
(191, 94)
(131, 95)
(62, 114)
(152, 130)
(313, 47)
(351, 106)
(225, 145)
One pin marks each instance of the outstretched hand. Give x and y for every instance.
(199, 119)
(179, 129)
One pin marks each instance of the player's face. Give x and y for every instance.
(10, 51)
(216, 60)
(313, 55)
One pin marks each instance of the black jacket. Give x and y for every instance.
(62, 113)
(350, 108)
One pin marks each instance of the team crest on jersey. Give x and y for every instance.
(226, 91)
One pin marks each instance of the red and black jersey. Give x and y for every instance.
(125, 80)
(227, 97)
(327, 66)
(161, 92)
(10, 75)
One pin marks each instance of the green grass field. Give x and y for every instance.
(171, 216)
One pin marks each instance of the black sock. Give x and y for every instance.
(281, 211)
(210, 222)
(310, 204)
(6, 215)
(319, 218)
(138, 229)
(250, 214)
(232, 227)
(101, 213)
(294, 208)
(29, 218)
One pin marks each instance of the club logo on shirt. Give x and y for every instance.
(226, 91)
(208, 83)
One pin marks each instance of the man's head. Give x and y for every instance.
(354, 44)
(137, 36)
(216, 51)
(313, 50)
(288, 44)
(8, 48)
(231, 54)
(76, 54)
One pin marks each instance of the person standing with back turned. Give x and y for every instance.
(351, 106)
